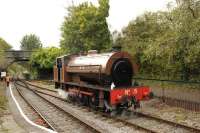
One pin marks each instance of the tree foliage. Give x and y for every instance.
(166, 43)
(30, 42)
(86, 28)
(45, 58)
(3, 46)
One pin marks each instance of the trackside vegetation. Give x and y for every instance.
(43, 59)
(166, 44)
(85, 28)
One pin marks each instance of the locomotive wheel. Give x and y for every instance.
(70, 99)
(119, 109)
(113, 113)
(80, 100)
(85, 100)
(107, 107)
(92, 103)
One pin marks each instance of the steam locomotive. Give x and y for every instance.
(99, 80)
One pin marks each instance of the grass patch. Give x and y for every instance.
(3, 100)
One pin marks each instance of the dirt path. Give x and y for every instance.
(7, 123)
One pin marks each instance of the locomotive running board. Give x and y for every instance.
(87, 86)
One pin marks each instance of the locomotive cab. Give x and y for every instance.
(57, 71)
(59, 67)
(60, 75)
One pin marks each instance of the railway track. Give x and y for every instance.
(189, 105)
(42, 88)
(139, 117)
(36, 110)
(175, 124)
(60, 120)
(115, 122)
(147, 119)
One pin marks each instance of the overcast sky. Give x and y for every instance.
(44, 17)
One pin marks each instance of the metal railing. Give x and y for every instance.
(166, 80)
(185, 94)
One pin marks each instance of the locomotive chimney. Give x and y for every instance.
(116, 48)
(91, 52)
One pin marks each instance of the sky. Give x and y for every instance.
(45, 17)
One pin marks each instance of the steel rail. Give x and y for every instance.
(126, 122)
(85, 122)
(189, 105)
(106, 115)
(40, 87)
(35, 109)
(197, 130)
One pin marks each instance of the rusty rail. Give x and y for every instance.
(75, 116)
(196, 130)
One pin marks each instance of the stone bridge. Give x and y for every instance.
(16, 56)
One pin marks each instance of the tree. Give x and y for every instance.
(30, 42)
(167, 43)
(3, 46)
(118, 40)
(45, 58)
(42, 60)
(86, 28)
(141, 35)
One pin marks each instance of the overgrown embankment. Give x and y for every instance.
(3, 99)
(187, 91)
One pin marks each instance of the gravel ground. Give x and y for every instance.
(142, 121)
(183, 116)
(107, 124)
(61, 121)
(49, 85)
(28, 111)
(157, 108)
(160, 126)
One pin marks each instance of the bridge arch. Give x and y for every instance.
(13, 56)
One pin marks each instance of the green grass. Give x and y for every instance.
(3, 100)
(3, 107)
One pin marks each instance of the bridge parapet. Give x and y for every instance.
(18, 55)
